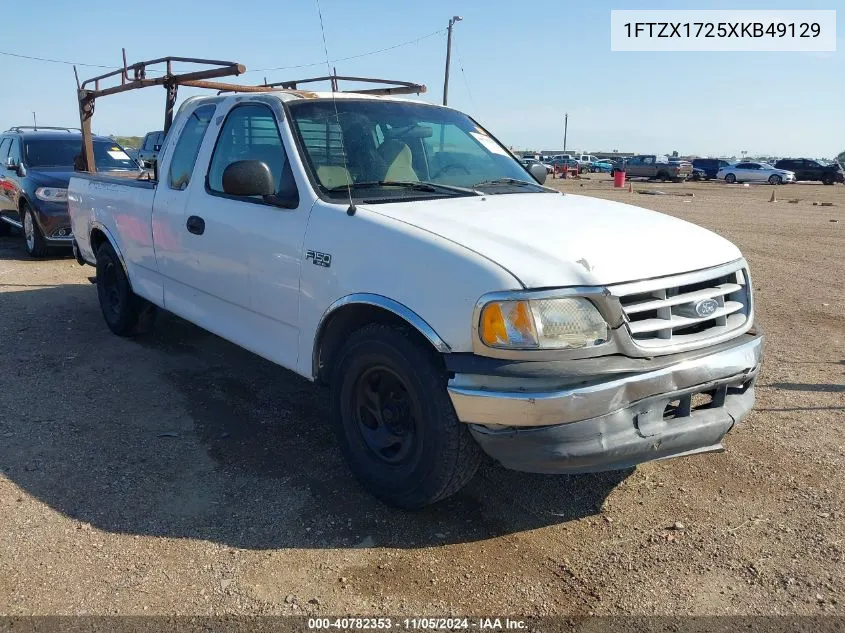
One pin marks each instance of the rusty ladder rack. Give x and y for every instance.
(134, 76)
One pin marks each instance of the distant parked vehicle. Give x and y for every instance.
(755, 172)
(601, 165)
(710, 166)
(148, 152)
(807, 169)
(527, 162)
(35, 167)
(697, 174)
(657, 168)
(585, 160)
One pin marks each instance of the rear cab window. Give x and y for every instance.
(188, 146)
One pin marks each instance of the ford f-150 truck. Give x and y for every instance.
(398, 252)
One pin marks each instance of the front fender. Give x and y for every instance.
(386, 303)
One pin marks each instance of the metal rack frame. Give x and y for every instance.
(134, 76)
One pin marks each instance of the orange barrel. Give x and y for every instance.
(618, 179)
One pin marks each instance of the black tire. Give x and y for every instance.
(4, 228)
(774, 179)
(416, 452)
(828, 179)
(33, 238)
(125, 312)
(730, 179)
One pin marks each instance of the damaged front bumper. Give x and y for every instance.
(612, 413)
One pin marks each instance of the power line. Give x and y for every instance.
(360, 55)
(320, 63)
(55, 61)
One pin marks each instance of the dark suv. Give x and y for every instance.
(35, 167)
(710, 166)
(807, 169)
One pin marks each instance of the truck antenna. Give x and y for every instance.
(333, 74)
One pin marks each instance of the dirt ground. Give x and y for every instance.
(180, 474)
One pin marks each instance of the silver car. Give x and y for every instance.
(755, 172)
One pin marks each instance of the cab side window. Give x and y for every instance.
(15, 151)
(250, 133)
(188, 146)
(4, 150)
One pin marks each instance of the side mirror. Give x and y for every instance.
(538, 170)
(10, 163)
(248, 178)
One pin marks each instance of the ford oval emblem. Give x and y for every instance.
(705, 307)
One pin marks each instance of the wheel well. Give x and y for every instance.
(97, 239)
(343, 322)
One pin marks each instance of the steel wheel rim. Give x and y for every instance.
(29, 230)
(110, 290)
(384, 417)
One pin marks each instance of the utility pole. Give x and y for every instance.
(455, 18)
(34, 122)
(565, 128)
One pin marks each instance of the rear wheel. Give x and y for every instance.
(4, 228)
(774, 179)
(125, 312)
(34, 241)
(395, 422)
(828, 179)
(730, 179)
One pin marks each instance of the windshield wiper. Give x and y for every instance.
(512, 181)
(416, 185)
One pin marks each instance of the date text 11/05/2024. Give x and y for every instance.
(361, 623)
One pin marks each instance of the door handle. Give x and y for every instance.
(195, 225)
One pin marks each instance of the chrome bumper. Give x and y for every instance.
(615, 423)
(481, 405)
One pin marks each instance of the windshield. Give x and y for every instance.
(391, 147)
(52, 152)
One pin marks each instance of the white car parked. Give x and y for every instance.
(453, 303)
(755, 172)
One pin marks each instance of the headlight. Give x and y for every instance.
(51, 194)
(563, 323)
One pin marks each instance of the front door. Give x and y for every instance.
(243, 253)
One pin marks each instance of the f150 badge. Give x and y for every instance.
(319, 259)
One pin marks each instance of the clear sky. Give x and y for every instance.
(517, 67)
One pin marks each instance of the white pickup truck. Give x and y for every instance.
(398, 252)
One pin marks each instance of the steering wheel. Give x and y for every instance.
(446, 168)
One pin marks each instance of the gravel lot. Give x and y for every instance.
(180, 474)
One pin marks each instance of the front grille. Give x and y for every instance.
(686, 308)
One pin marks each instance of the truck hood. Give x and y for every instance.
(547, 240)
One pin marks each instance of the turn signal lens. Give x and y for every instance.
(556, 323)
(508, 324)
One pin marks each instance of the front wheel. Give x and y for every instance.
(828, 179)
(36, 245)
(730, 179)
(774, 179)
(395, 422)
(125, 312)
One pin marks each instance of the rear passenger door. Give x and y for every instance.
(179, 166)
